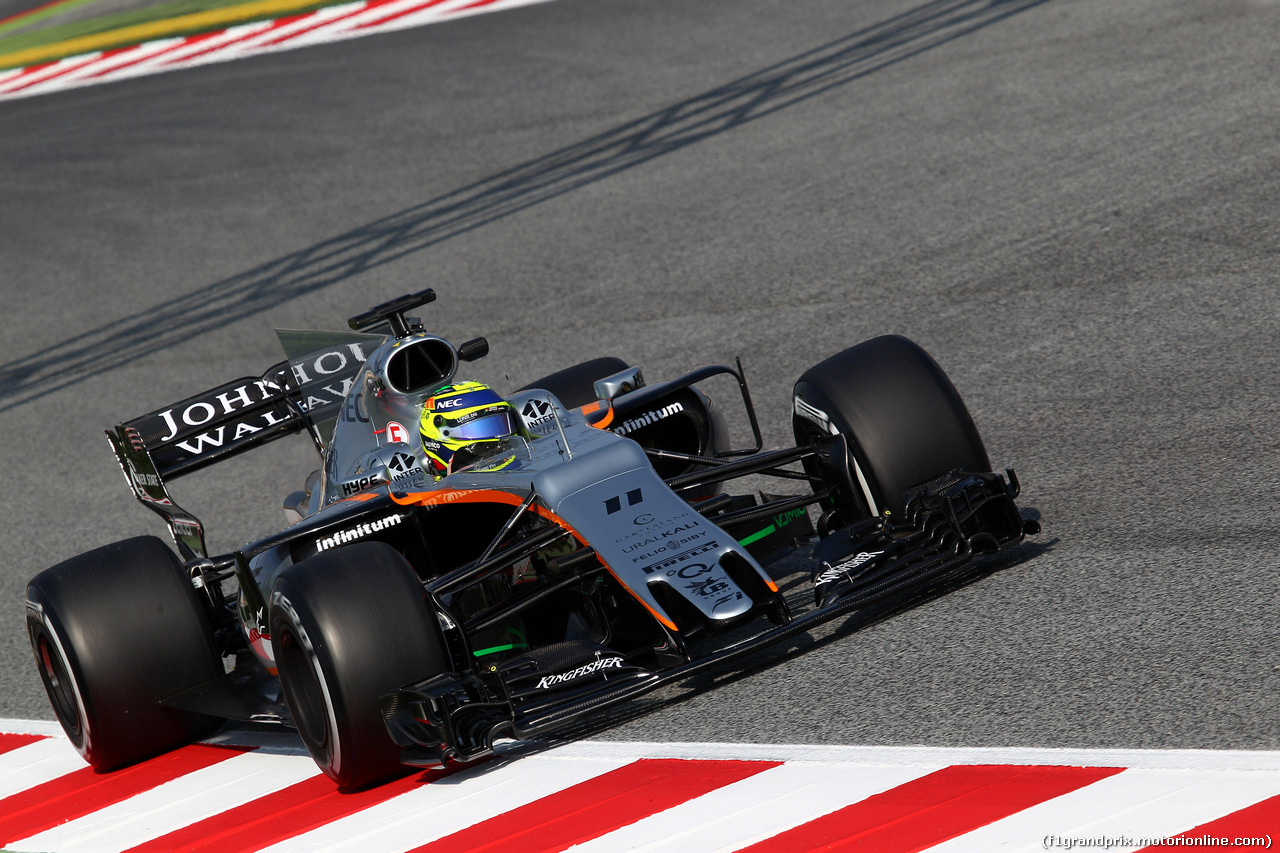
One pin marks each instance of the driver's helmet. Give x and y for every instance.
(464, 422)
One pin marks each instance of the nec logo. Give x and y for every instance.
(449, 404)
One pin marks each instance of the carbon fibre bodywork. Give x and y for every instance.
(596, 556)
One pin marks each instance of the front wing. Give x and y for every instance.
(871, 567)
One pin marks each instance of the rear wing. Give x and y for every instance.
(305, 393)
(222, 422)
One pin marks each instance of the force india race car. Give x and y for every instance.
(595, 555)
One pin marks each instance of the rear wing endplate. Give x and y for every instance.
(305, 393)
(197, 432)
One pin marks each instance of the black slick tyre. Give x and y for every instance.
(574, 386)
(904, 421)
(114, 631)
(347, 627)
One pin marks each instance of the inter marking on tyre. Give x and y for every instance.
(256, 791)
(328, 24)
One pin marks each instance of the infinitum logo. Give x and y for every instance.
(648, 418)
(342, 537)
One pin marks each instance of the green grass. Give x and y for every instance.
(54, 34)
(30, 18)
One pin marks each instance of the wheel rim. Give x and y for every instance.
(304, 694)
(810, 434)
(57, 683)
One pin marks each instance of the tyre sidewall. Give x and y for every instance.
(347, 627)
(46, 633)
(901, 416)
(129, 629)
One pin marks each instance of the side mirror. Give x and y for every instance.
(473, 349)
(622, 382)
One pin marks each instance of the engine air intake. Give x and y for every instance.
(421, 365)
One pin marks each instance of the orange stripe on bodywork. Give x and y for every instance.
(441, 497)
(445, 497)
(656, 615)
(591, 408)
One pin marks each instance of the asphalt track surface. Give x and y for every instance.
(9, 8)
(1070, 203)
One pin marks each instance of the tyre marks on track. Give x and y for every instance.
(253, 791)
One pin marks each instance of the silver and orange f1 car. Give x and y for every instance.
(598, 552)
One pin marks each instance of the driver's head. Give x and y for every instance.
(463, 422)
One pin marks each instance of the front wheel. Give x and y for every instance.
(348, 626)
(114, 631)
(903, 421)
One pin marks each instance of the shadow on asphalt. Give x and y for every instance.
(415, 229)
(783, 652)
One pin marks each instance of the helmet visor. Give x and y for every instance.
(496, 425)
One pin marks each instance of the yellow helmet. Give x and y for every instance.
(464, 422)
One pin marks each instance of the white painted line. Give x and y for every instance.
(91, 72)
(480, 10)
(62, 66)
(1138, 804)
(325, 25)
(36, 763)
(430, 15)
(31, 727)
(756, 808)
(448, 805)
(318, 31)
(1161, 794)
(252, 45)
(626, 751)
(1155, 759)
(346, 27)
(173, 805)
(370, 18)
(157, 63)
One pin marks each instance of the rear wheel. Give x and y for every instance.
(114, 631)
(903, 420)
(347, 627)
(574, 386)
